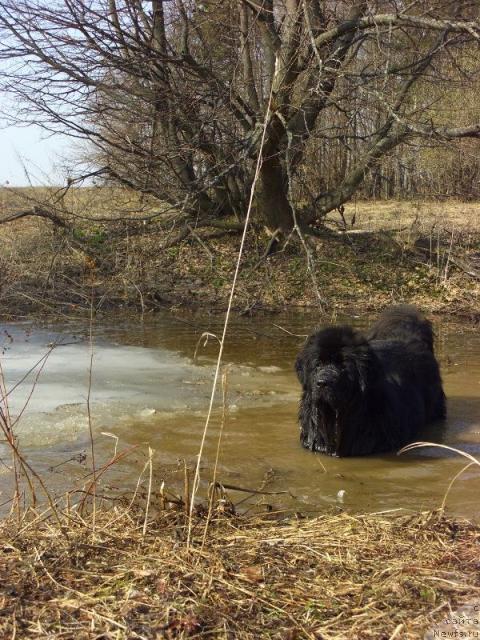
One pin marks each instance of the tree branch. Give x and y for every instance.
(392, 19)
(247, 65)
(264, 14)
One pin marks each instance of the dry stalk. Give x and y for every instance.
(149, 493)
(93, 486)
(102, 470)
(473, 461)
(196, 479)
(448, 258)
(20, 464)
(6, 426)
(213, 484)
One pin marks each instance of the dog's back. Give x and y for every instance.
(404, 323)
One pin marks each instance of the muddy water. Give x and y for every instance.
(147, 390)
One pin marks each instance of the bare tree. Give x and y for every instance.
(172, 94)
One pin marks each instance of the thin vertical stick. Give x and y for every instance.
(7, 426)
(149, 494)
(196, 479)
(217, 454)
(89, 413)
(449, 254)
(7, 429)
(186, 488)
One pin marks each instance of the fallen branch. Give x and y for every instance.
(39, 212)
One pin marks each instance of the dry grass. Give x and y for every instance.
(426, 253)
(335, 576)
(423, 214)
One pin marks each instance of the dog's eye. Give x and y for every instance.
(333, 362)
(336, 363)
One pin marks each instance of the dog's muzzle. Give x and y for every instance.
(325, 383)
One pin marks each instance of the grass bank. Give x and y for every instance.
(116, 576)
(426, 253)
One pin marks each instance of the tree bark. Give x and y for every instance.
(275, 206)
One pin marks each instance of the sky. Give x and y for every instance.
(40, 152)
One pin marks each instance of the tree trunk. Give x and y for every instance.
(275, 206)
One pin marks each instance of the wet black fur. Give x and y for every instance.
(365, 394)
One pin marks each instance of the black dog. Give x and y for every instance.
(372, 393)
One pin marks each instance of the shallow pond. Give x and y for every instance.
(147, 390)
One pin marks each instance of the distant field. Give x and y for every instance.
(98, 202)
(394, 214)
(90, 201)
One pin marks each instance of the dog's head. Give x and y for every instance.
(333, 368)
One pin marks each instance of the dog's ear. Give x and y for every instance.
(368, 369)
(362, 376)
(359, 353)
(300, 368)
(304, 360)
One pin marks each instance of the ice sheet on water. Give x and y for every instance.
(128, 383)
(124, 379)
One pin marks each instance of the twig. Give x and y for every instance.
(296, 335)
(234, 487)
(397, 631)
(201, 243)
